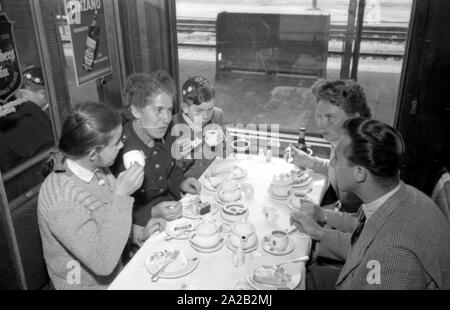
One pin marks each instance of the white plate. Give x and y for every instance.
(173, 228)
(302, 184)
(292, 269)
(207, 250)
(276, 196)
(219, 200)
(190, 213)
(185, 263)
(233, 248)
(234, 171)
(267, 247)
(208, 186)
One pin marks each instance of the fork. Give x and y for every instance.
(171, 259)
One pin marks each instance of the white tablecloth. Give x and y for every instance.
(215, 270)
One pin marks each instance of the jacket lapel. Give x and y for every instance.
(371, 228)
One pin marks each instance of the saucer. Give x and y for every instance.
(266, 247)
(233, 248)
(207, 250)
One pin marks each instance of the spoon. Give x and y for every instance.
(297, 260)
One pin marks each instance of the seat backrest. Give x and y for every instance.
(441, 194)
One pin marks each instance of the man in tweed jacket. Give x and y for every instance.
(403, 240)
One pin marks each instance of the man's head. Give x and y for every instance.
(198, 99)
(369, 152)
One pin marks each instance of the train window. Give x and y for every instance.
(263, 56)
(26, 129)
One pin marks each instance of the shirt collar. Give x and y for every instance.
(371, 207)
(81, 172)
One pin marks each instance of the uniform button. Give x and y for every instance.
(161, 190)
(155, 153)
(160, 178)
(157, 166)
(171, 163)
(142, 190)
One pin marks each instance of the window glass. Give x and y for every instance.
(25, 120)
(77, 93)
(263, 56)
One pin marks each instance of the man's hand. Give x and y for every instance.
(315, 211)
(169, 210)
(154, 225)
(304, 222)
(191, 186)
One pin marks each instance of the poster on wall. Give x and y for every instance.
(86, 19)
(10, 75)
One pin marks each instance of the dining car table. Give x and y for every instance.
(216, 269)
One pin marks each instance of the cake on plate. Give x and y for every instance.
(271, 276)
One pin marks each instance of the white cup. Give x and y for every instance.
(133, 156)
(279, 240)
(211, 137)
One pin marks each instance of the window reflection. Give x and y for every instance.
(263, 62)
(25, 128)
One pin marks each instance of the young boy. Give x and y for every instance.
(206, 123)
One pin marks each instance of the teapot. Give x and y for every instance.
(229, 191)
(243, 235)
(206, 234)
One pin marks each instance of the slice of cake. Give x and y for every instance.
(271, 276)
(204, 208)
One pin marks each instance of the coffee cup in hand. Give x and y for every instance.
(134, 156)
(211, 137)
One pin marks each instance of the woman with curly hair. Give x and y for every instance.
(337, 101)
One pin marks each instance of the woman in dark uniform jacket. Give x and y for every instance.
(150, 100)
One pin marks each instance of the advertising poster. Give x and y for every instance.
(87, 25)
(10, 75)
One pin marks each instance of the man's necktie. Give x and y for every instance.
(358, 229)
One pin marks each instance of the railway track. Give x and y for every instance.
(386, 34)
(370, 33)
